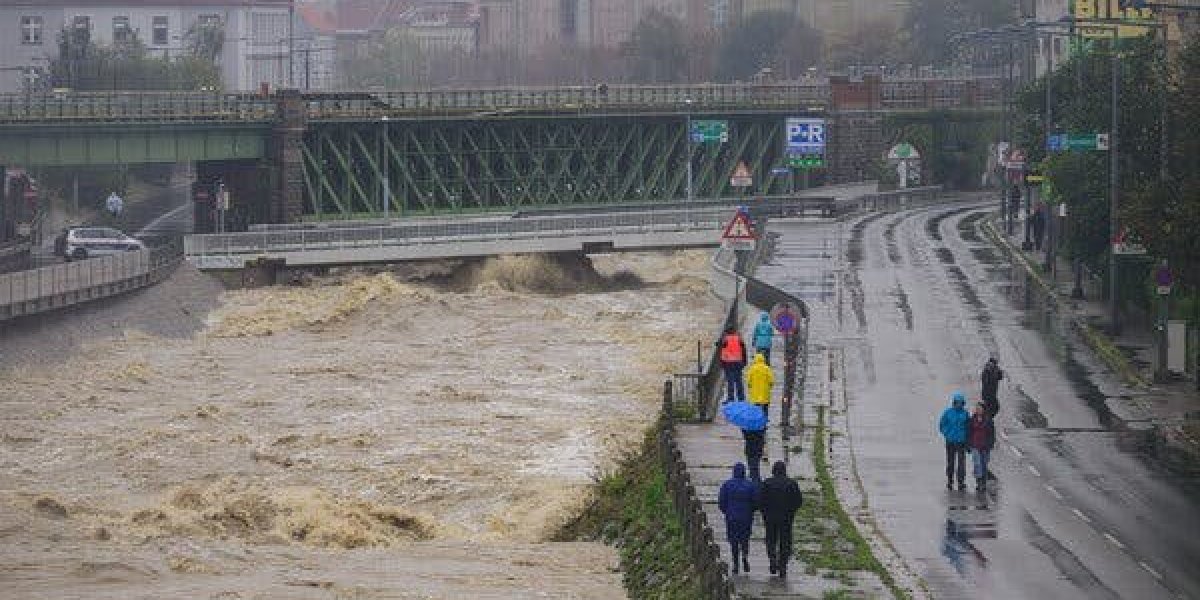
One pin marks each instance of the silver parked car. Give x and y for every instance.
(78, 243)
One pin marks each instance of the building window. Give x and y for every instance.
(568, 18)
(122, 33)
(209, 20)
(159, 30)
(31, 31)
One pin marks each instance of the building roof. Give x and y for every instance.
(370, 15)
(318, 18)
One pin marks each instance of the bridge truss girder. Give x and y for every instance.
(504, 164)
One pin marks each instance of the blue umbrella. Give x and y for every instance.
(745, 415)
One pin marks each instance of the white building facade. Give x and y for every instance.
(257, 35)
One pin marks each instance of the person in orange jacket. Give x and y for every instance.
(732, 354)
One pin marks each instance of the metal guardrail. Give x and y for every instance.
(615, 97)
(135, 106)
(48, 288)
(285, 241)
(897, 199)
(146, 106)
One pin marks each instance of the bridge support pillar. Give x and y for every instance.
(855, 135)
(286, 156)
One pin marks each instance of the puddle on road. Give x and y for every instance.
(358, 413)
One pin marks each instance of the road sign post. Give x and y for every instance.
(805, 147)
(739, 233)
(1164, 280)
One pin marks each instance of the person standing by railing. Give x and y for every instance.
(764, 335)
(732, 354)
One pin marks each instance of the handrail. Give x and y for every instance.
(48, 288)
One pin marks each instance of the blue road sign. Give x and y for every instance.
(780, 171)
(805, 136)
(1057, 142)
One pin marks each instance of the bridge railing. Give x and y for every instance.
(47, 288)
(139, 106)
(278, 241)
(674, 97)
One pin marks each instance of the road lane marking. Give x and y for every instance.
(1082, 517)
(1033, 469)
(1149, 569)
(1113, 540)
(1054, 492)
(1015, 451)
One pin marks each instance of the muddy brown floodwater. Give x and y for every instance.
(357, 437)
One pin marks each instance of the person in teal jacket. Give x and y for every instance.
(764, 333)
(953, 426)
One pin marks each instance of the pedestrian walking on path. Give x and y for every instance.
(760, 380)
(953, 426)
(781, 498)
(981, 437)
(738, 500)
(732, 354)
(992, 374)
(755, 445)
(764, 335)
(990, 378)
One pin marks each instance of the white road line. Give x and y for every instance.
(1015, 451)
(1033, 469)
(164, 217)
(1054, 492)
(1113, 540)
(1151, 570)
(1082, 517)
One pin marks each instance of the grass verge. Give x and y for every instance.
(632, 510)
(826, 537)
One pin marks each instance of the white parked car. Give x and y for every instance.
(78, 243)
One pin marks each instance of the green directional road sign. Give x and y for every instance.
(1087, 141)
(703, 131)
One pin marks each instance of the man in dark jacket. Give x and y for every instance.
(738, 499)
(781, 499)
(991, 376)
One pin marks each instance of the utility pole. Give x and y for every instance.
(1114, 181)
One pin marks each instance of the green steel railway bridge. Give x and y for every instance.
(294, 156)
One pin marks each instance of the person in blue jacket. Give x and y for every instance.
(953, 426)
(764, 333)
(738, 500)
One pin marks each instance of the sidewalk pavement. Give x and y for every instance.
(1171, 410)
(711, 449)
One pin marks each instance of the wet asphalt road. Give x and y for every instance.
(914, 303)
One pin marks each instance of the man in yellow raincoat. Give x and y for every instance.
(759, 380)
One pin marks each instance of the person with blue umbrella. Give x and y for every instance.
(753, 422)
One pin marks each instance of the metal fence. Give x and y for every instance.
(697, 532)
(136, 106)
(48, 288)
(393, 234)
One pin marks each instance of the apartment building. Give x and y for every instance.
(257, 35)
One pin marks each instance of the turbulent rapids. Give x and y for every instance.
(361, 435)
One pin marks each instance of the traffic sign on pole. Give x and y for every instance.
(741, 176)
(704, 131)
(785, 318)
(739, 232)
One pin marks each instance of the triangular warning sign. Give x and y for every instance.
(739, 228)
(741, 170)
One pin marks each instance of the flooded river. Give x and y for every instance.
(356, 437)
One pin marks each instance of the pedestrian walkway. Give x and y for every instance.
(711, 450)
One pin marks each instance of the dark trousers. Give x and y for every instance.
(735, 387)
(956, 461)
(740, 550)
(755, 441)
(779, 543)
